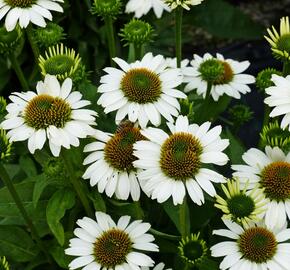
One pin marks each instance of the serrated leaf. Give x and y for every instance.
(59, 203)
(16, 244)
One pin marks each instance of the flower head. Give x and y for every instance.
(48, 36)
(264, 78)
(106, 8)
(280, 43)
(105, 244)
(240, 114)
(10, 41)
(111, 162)
(223, 75)
(55, 171)
(182, 3)
(273, 135)
(254, 247)
(26, 11)
(193, 250)
(173, 163)
(279, 99)
(143, 90)
(5, 146)
(142, 7)
(239, 205)
(271, 171)
(4, 264)
(53, 113)
(137, 32)
(60, 61)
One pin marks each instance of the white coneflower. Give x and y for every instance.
(271, 171)
(252, 248)
(279, 99)
(174, 163)
(143, 90)
(25, 11)
(107, 245)
(224, 75)
(53, 113)
(111, 162)
(142, 7)
(239, 205)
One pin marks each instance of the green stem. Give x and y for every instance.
(286, 68)
(178, 30)
(111, 38)
(208, 90)
(203, 111)
(183, 218)
(18, 71)
(138, 51)
(33, 45)
(79, 188)
(7, 181)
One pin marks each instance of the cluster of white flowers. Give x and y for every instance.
(164, 165)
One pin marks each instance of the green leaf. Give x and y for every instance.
(41, 183)
(164, 235)
(236, 149)
(9, 210)
(16, 244)
(12, 170)
(124, 208)
(37, 261)
(203, 114)
(173, 211)
(27, 165)
(98, 201)
(61, 201)
(42, 157)
(208, 264)
(201, 215)
(59, 256)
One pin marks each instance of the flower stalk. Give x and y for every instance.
(34, 47)
(286, 68)
(78, 187)
(178, 36)
(185, 230)
(18, 71)
(111, 38)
